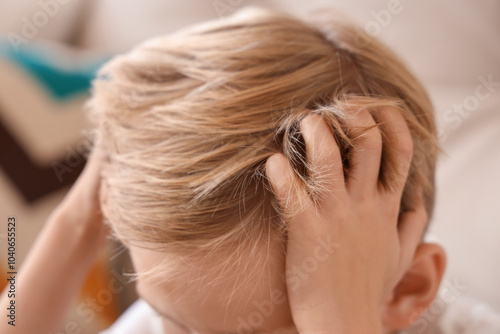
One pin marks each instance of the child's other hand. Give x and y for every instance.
(58, 262)
(346, 255)
(80, 208)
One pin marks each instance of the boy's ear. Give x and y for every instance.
(417, 289)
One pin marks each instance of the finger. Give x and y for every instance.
(366, 155)
(93, 167)
(411, 228)
(97, 156)
(323, 155)
(305, 232)
(298, 209)
(400, 142)
(292, 199)
(86, 187)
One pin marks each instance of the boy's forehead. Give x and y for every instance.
(232, 301)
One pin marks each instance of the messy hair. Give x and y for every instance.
(190, 119)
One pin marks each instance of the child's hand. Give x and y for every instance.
(80, 207)
(61, 257)
(349, 249)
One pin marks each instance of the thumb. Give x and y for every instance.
(286, 187)
(297, 208)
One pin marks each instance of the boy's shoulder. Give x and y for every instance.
(138, 318)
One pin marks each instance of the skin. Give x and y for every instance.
(387, 274)
(361, 215)
(188, 305)
(49, 279)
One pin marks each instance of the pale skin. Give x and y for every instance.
(387, 274)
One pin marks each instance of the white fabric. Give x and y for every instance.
(139, 318)
(461, 316)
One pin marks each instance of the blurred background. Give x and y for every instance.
(50, 50)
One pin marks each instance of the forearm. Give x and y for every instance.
(51, 275)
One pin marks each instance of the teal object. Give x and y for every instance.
(62, 82)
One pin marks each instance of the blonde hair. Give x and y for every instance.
(189, 120)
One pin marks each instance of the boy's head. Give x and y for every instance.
(189, 120)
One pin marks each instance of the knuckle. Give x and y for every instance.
(373, 139)
(310, 122)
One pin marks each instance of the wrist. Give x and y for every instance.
(85, 236)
